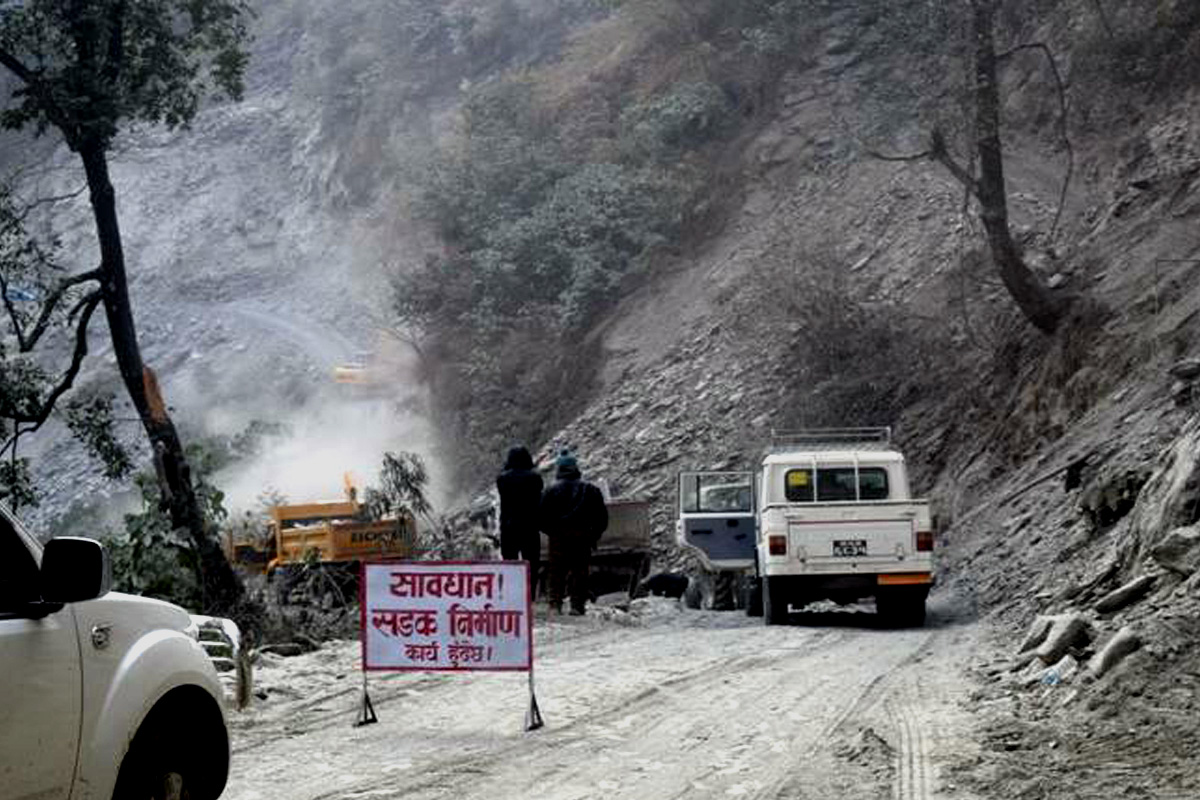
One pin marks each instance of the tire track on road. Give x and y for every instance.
(455, 775)
(857, 706)
(912, 756)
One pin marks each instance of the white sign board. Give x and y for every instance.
(446, 615)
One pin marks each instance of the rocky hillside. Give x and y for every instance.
(1063, 467)
(825, 285)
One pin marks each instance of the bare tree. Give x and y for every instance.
(1041, 305)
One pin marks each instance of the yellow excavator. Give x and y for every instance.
(325, 532)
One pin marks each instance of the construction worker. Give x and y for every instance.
(574, 516)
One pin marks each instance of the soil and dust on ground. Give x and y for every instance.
(642, 699)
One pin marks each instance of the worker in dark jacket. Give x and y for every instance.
(574, 516)
(520, 488)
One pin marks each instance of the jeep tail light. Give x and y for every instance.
(924, 541)
(777, 545)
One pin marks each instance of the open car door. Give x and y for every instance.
(717, 519)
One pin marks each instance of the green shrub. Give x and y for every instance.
(683, 119)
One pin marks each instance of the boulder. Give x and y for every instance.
(1066, 631)
(1179, 551)
(1037, 633)
(1182, 393)
(1187, 369)
(1129, 593)
(1122, 644)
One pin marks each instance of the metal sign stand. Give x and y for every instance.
(533, 718)
(366, 715)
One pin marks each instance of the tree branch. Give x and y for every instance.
(26, 341)
(939, 153)
(37, 419)
(1062, 122)
(913, 157)
(14, 66)
(30, 79)
(27, 208)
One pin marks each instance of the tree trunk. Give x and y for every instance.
(222, 590)
(1036, 301)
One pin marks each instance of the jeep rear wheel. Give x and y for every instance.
(754, 597)
(902, 608)
(774, 601)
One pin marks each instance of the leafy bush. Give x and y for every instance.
(150, 557)
(773, 29)
(550, 209)
(16, 482)
(541, 241)
(687, 117)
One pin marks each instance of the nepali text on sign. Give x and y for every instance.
(430, 615)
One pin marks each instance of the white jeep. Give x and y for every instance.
(102, 695)
(828, 515)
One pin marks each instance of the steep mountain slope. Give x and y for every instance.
(257, 241)
(1062, 467)
(829, 286)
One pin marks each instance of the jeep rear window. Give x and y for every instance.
(717, 492)
(834, 484)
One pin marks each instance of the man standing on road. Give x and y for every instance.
(520, 488)
(574, 516)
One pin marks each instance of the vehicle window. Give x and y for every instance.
(835, 484)
(718, 492)
(18, 571)
(798, 486)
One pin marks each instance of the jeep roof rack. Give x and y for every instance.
(830, 439)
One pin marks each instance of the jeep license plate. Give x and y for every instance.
(848, 548)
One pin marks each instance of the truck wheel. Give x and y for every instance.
(901, 609)
(754, 597)
(774, 602)
(149, 771)
(180, 752)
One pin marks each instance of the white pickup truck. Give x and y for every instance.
(103, 696)
(828, 515)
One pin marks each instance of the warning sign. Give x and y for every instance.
(442, 615)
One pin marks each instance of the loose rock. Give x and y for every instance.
(1179, 552)
(1037, 633)
(1130, 592)
(1121, 645)
(1066, 631)
(1187, 369)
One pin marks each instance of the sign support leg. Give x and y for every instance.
(533, 719)
(366, 714)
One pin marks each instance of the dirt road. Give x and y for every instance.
(657, 703)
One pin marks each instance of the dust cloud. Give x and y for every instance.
(334, 409)
(327, 440)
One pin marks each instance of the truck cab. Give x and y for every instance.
(831, 516)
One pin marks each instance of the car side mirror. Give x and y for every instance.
(74, 569)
